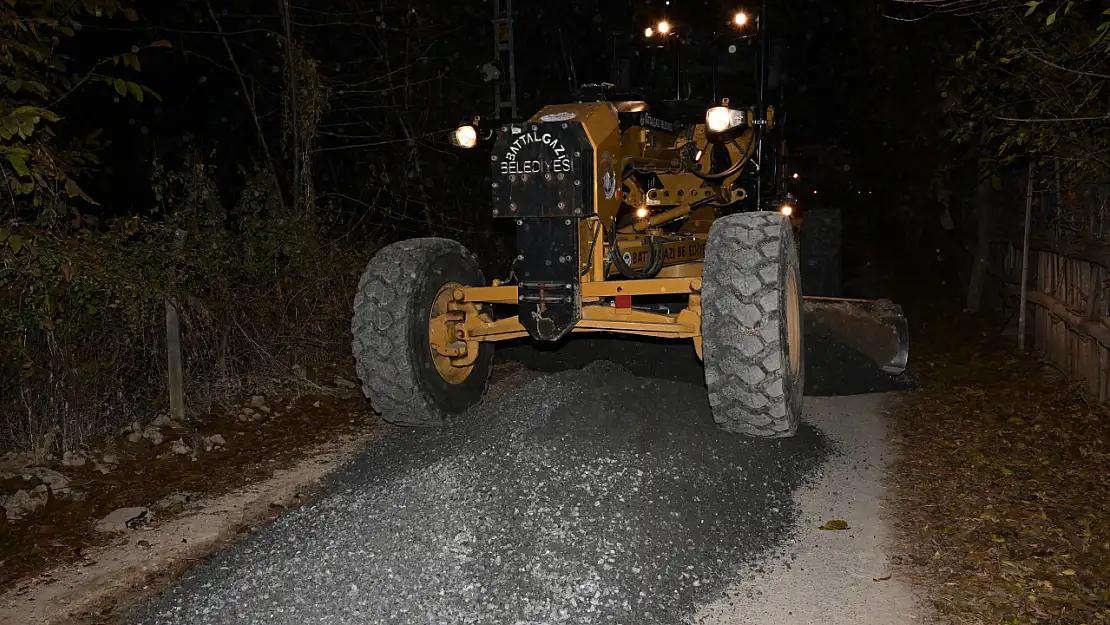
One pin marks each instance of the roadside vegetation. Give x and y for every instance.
(201, 159)
(1002, 491)
(1002, 497)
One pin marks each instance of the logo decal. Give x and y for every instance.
(536, 153)
(557, 117)
(655, 122)
(608, 176)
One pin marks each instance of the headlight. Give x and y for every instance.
(721, 118)
(465, 136)
(787, 210)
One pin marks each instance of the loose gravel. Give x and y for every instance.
(585, 496)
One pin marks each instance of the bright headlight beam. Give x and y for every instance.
(466, 136)
(663, 27)
(787, 210)
(641, 212)
(740, 18)
(718, 118)
(648, 32)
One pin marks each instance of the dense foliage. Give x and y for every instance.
(1033, 84)
(234, 161)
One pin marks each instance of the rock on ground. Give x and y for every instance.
(587, 496)
(122, 520)
(21, 504)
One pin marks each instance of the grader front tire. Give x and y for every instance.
(751, 325)
(396, 296)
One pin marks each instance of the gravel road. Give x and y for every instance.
(600, 494)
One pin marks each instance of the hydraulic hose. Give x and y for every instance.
(651, 268)
(693, 169)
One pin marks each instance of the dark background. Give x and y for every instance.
(853, 80)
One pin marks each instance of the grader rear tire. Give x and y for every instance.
(406, 382)
(751, 325)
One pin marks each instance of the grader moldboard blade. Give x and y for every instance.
(855, 346)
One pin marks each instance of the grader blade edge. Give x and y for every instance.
(875, 328)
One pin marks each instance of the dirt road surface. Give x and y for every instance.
(599, 494)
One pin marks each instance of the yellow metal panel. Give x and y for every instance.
(603, 130)
(677, 285)
(674, 253)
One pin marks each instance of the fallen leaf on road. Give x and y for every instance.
(835, 524)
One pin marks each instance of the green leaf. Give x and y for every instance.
(74, 190)
(136, 91)
(1051, 19)
(996, 182)
(121, 86)
(835, 525)
(130, 14)
(15, 242)
(1032, 7)
(132, 61)
(19, 164)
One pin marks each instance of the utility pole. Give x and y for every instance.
(504, 91)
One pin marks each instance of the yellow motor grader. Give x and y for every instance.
(617, 205)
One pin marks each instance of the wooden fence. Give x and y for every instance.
(1069, 289)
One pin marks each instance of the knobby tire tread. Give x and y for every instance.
(744, 337)
(381, 330)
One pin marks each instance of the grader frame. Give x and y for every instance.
(652, 146)
(626, 222)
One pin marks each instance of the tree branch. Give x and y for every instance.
(1067, 69)
(283, 5)
(250, 104)
(1036, 120)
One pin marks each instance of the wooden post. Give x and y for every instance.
(173, 349)
(1025, 257)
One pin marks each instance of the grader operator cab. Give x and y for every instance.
(619, 203)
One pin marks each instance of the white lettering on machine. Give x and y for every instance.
(556, 160)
